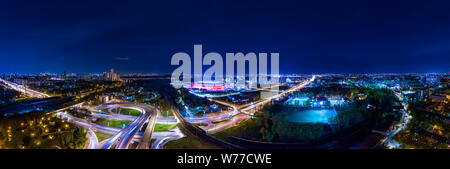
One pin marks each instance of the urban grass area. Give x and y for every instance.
(102, 136)
(116, 123)
(164, 127)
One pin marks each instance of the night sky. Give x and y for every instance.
(141, 36)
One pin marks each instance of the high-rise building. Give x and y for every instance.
(112, 76)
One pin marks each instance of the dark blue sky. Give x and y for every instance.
(141, 36)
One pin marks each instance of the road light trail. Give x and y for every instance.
(163, 137)
(133, 129)
(23, 89)
(93, 140)
(389, 139)
(122, 133)
(234, 116)
(122, 139)
(267, 100)
(85, 124)
(145, 143)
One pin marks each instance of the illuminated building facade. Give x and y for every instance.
(112, 76)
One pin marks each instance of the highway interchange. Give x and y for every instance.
(121, 138)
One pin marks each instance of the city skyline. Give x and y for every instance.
(336, 37)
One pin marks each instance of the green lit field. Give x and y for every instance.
(131, 112)
(89, 110)
(164, 127)
(102, 136)
(112, 122)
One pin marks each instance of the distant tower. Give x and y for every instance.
(111, 74)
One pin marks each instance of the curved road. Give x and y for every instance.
(122, 139)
